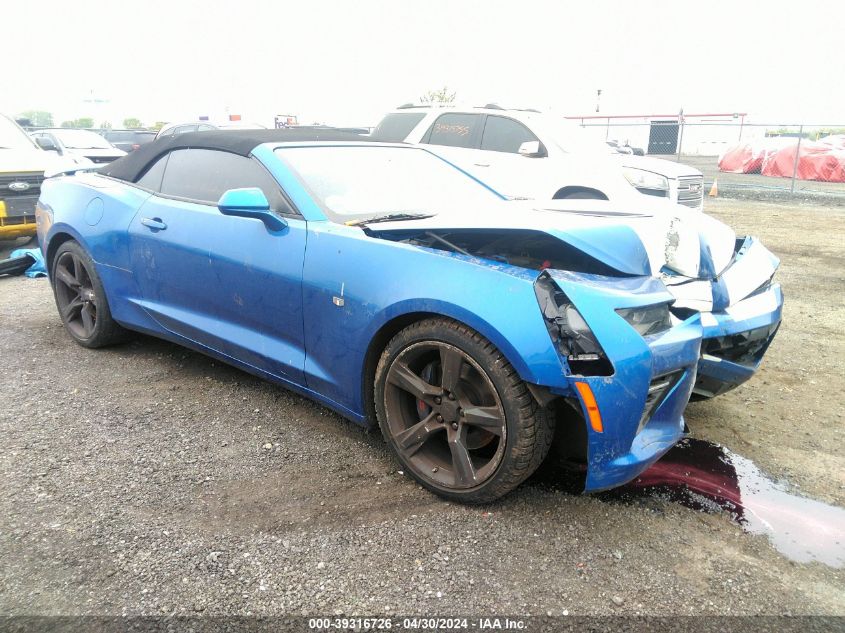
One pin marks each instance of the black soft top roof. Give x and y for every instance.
(242, 142)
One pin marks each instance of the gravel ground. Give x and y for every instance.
(147, 479)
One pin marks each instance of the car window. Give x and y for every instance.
(152, 177)
(394, 128)
(184, 128)
(455, 130)
(505, 135)
(204, 175)
(167, 132)
(118, 137)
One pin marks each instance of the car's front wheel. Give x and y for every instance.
(456, 414)
(81, 299)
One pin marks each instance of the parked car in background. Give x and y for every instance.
(527, 154)
(22, 167)
(128, 140)
(172, 129)
(79, 143)
(422, 303)
(624, 148)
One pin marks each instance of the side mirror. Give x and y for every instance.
(46, 144)
(250, 202)
(532, 149)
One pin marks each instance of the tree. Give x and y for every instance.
(37, 118)
(438, 96)
(84, 122)
(132, 123)
(159, 124)
(105, 125)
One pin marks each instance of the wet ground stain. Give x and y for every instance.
(710, 478)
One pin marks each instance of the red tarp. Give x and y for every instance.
(818, 160)
(747, 158)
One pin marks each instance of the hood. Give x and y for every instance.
(24, 160)
(668, 168)
(634, 238)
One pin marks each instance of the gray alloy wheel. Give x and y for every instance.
(456, 414)
(80, 298)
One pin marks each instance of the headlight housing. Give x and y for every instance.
(648, 320)
(572, 337)
(642, 179)
(683, 248)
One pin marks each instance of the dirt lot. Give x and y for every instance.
(135, 480)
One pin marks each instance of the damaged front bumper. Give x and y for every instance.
(641, 403)
(734, 341)
(740, 314)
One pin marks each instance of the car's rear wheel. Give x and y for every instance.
(456, 414)
(81, 299)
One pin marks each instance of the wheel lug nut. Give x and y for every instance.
(455, 425)
(461, 412)
(435, 469)
(439, 418)
(451, 396)
(437, 400)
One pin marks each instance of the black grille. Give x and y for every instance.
(34, 181)
(745, 348)
(658, 389)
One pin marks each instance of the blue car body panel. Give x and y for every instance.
(302, 305)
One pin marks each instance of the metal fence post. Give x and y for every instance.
(797, 155)
(680, 133)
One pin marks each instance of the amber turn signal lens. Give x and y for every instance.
(590, 404)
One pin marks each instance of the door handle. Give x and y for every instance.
(154, 223)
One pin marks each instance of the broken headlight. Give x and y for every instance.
(647, 320)
(570, 333)
(683, 249)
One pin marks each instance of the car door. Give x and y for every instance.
(227, 283)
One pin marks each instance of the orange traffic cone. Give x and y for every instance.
(714, 190)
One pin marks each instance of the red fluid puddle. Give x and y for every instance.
(710, 478)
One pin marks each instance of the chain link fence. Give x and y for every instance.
(762, 160)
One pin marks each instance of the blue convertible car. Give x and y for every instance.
(392, 287)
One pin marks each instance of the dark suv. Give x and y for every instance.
(128, 140)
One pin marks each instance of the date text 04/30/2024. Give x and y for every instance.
(417, 623)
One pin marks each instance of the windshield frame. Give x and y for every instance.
(359, 219)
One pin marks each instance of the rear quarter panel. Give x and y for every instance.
(95, 211)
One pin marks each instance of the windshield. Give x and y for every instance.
(354, 182)
(81, 139)
(13, 137)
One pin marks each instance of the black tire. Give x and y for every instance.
(81, 299)
(492, 423)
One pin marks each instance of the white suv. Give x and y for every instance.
(526, 154)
